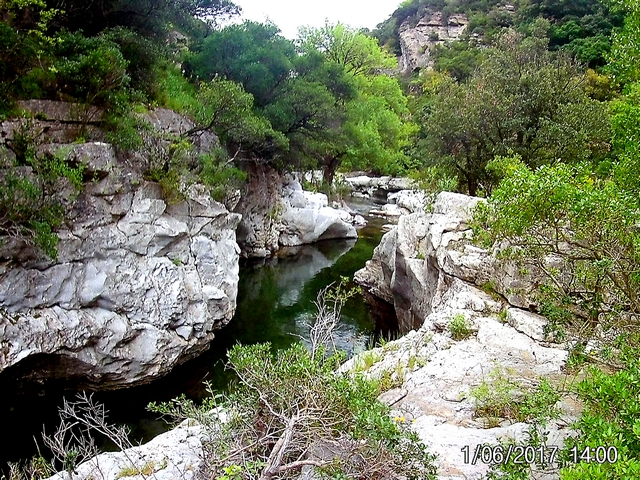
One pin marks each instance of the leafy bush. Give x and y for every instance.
(459, 327)
(219, 176)
(579, 229)
(290, 404)
(611, 418)
(145, 61)
(176, 92)
(89, 70)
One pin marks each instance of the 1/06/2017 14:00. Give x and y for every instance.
(521, 454)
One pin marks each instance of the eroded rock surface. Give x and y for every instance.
(307, 217)
(416, 261)
(432, 29)
(430, 271)
(277, 212)
(177, 454)
(138, 286)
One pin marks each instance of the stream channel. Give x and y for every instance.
(275, 304)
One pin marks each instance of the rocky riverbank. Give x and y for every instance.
(138, 285)
(141, 281)
(432, 274)
(277, 212)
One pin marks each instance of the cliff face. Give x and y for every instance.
(432, 29)
(138, 286)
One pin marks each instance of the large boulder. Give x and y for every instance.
(379, 187)
(277, 212)
(417, 260)
(138, 285)
(307, 217)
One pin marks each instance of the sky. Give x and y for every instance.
(290, 14)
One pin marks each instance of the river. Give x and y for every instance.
(275, 304)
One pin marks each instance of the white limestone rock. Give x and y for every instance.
(138, 286)
(307, 218)
(429, 270)
(431, 249)
(176, 454)
(431, 30)
(529, 323)
(436, 373)
(410, 200)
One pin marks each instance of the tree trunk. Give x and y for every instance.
(472, 185)
(329, 171)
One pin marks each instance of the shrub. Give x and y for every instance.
(289, 404)
(611, 419)
(217, 174)
(584, 222)
(89, 70)
(502, 398)
(459, 327)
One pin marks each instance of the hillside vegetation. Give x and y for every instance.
(319, 102)
(583, 27)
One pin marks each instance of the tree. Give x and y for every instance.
(377, 130)
(586, 222)
(224, 107)
(353, 50)
(522, 99)
(373, 128)
(152, 18)
(625, 51)
(251, 53)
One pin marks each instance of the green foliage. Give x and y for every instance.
(499, 398)
(611, 418)
(177, 93)
(586, 222)
(146, 61)
(459, 59)
(89, 70)
(31, 197)
(121, 46)
(219, 176)
(347, 47)
(251, 53)
(625, 51)
(299, 399)
(434, 179)
(373, 128)
(151, 18)
(377, 127)
(522, 99)
(459, 327)
(225, 107)
(366, 360)
(124, 128)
